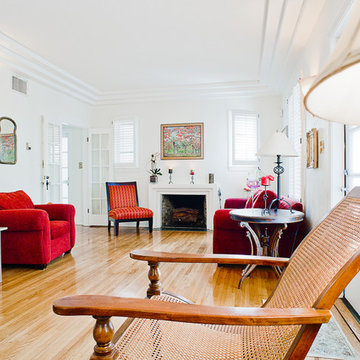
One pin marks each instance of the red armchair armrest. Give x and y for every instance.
(64, 212)
(24, 219)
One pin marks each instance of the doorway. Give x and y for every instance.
(72, 169)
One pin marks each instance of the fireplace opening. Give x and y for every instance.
(184, 212)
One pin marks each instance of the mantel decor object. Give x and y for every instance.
(154, 171)
(170, 175)
(8, 151)
(192, 173)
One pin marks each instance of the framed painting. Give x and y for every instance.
(7, 141)
(182, 141)
(312, 149)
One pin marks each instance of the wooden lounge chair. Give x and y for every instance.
(165, 327)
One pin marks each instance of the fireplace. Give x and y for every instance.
(184, 212)
(157, 191)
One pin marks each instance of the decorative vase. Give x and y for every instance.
(153, 178)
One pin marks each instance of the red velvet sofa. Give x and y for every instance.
(36, 234)
(229, 238)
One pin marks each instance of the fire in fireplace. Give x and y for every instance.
(184, 212)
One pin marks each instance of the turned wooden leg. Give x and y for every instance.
(116, 226)
(150, 225)
(109, 225)
(103, 334)
(154, 277)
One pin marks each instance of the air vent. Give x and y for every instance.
(19, 85)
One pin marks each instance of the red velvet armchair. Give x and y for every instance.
(229, 238)
(36, 234)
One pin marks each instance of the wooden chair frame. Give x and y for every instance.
(117, 221)
(102, 308)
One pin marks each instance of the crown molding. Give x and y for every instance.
(214, 90)
(24, 62)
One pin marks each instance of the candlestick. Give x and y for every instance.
(170, 175)
(192, 173)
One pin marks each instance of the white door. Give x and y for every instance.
(100, 172)
(51, 163)
(352, 179)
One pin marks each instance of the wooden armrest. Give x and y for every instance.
(106, 306)
(158, 256)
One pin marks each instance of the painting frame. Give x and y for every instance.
(312, 156)
(8, 142)
(177, 141)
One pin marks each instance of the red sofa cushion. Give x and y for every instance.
(59, 228)
(130, 213)
(15, 200)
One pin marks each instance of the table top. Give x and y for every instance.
(281, 216)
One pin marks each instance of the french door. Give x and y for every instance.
(51, 162)
(100, 172)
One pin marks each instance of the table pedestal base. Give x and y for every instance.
(261, 245)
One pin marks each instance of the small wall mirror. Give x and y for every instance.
(7, 141)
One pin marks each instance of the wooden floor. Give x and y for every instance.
(100, 264)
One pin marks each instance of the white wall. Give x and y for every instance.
(214, 115)
(26, 111)
(322, 185)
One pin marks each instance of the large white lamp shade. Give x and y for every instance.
(335, 93)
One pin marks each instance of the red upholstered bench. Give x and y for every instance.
(229, 238)
(36, 234)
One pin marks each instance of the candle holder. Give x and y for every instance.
(192, 173)
(170, 176)
(265, 181)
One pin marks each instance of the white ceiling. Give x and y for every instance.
(141, 45)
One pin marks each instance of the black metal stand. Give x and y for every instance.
(278, 170)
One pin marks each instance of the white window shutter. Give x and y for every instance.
(124, 143)
(295, 135)
(244, 138)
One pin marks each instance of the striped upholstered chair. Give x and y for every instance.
(123, 205)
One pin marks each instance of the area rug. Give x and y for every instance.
(331, 343)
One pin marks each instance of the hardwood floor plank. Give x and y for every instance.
(100, 264)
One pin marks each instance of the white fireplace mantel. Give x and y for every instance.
(156, 191)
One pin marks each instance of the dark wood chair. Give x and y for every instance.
(165, 327)
(123, 205)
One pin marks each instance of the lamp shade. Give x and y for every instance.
(334, 94)
(277, 144)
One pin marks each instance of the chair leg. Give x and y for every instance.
(68, 252)
(137, 225)
(116, 226)
(109, 225)
(150, 225)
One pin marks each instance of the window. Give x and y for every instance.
(243, 131)
(295, 134)
(125, 154)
